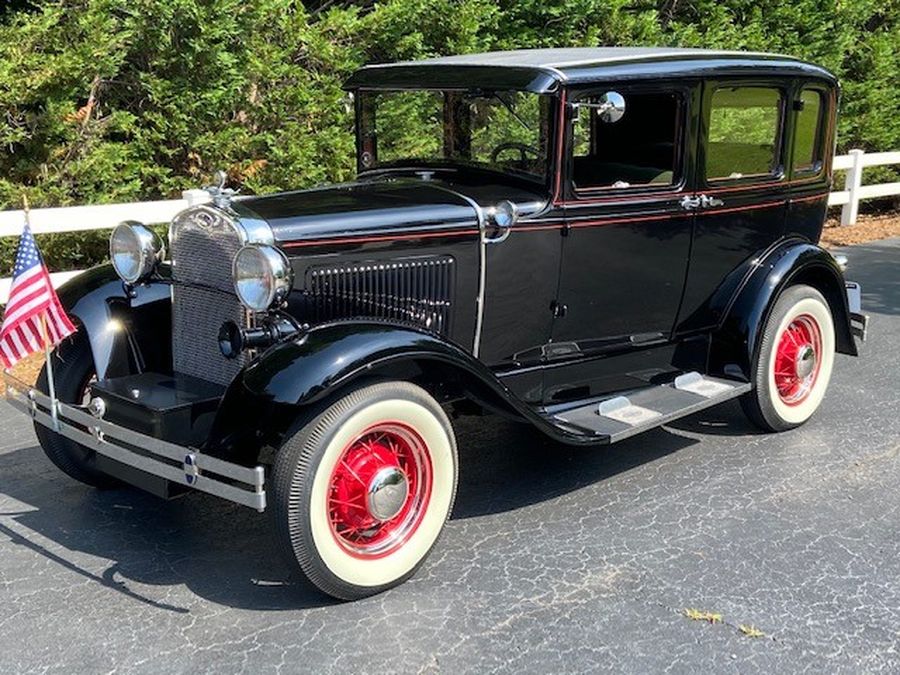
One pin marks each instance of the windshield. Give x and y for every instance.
(499, 130)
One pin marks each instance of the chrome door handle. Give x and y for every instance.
(709, 202)
(691, 203)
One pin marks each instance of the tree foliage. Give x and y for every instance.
(116, 100)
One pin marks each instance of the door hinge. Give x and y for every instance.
(558, 309)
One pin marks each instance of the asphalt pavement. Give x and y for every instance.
(556, 559)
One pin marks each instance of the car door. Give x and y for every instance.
(628, 227)
(743, 187)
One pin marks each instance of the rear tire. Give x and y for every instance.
(73, 371)
(361, 491)
(794, 362)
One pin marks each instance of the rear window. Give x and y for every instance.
(744, 132)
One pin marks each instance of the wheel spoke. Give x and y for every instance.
(352, 472)
(351, 505)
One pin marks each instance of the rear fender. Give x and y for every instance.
(127, 334)
(736, 342)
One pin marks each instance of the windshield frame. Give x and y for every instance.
(364, 102)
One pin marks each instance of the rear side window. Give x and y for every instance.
(744, 132)
(808, 139)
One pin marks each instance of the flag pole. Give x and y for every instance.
(51, 385)
(45, 338)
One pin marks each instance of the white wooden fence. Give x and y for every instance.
(107, 216)
(854, 191)
(83, 218)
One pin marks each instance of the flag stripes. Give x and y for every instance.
(34, 318)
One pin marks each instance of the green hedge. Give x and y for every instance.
(118, 100)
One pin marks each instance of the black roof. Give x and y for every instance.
(544, 70)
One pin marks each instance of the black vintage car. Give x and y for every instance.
(595, 241)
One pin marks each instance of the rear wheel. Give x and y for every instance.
(362, 491)
(793, 366)
(73, 373)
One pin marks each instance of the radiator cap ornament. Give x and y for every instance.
(220, 194)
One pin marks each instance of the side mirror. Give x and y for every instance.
(610, 107)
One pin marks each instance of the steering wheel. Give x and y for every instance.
(523, 149)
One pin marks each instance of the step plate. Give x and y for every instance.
(621, 417)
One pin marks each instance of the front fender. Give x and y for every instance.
(126, 334)
(329, 356)
(289, 380)
(736, 342)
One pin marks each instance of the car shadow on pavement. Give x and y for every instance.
(225, 554)
(220, 551)
(726, 419)
(506, 465)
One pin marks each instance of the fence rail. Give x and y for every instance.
(854, 191)
(85, 218)
(107, 216)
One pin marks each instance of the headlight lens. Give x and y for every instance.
(135, 251)
(262, 277)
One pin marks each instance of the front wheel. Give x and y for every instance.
(362, 491)
(794, 362)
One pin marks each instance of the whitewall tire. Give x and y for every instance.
(794, 362)
(362, 491)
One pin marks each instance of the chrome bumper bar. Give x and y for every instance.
(182, 465)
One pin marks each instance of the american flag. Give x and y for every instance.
(34, 319)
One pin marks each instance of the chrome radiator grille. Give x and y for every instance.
(415, 291)
(203, 244)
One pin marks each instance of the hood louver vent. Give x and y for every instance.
(416, 291)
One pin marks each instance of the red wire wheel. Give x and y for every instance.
(379, 490)
(798, 356)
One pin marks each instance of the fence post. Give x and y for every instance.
(194, 197)
(854, 181)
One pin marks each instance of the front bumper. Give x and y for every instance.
(180, 464)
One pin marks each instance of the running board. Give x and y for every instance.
(616, 419)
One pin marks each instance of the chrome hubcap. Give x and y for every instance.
(387, 493)
(806, 361)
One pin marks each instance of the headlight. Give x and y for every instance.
(135, 251)
(262, 276)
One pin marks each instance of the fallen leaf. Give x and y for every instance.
(700, 615)
(750, 630)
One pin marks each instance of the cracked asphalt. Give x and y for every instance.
(556, 559)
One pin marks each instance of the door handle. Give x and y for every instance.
(691, 203)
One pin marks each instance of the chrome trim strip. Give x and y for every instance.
(482, 263)
(185, 465)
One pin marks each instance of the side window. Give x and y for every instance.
(744, 133)
(639, 148)
(808, 139)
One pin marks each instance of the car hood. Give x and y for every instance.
(384, 206)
